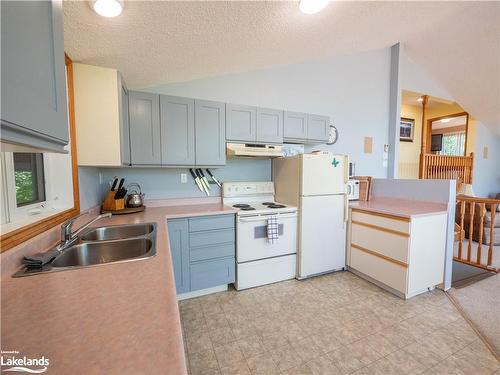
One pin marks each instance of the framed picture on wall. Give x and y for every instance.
(406, 127)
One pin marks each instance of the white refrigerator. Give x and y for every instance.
(316, 184)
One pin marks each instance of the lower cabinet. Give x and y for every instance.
(405, 254)
(203, 251)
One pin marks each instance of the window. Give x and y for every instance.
(454, 144)
(29, 178)
(34, 186)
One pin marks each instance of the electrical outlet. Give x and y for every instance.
(184, 179)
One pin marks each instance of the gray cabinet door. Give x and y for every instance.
(295, 127)
(212, 273)
(124, 122)
(241, 124)
(318, 128)
(269, 125)
(179, 251)
(144, 110)
(34, 104)
(177, 130)
(210, 139)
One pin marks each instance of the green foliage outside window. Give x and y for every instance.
(24, 187)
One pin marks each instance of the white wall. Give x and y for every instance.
(486, 179)
(353, 90)
(416, 79)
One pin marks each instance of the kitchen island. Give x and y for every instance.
(398, 244)
(118, 318)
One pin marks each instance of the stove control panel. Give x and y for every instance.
(242, 189)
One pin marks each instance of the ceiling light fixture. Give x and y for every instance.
(445, 120)
(312, 6)
(108, 8)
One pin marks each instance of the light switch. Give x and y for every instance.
(485, 152)
(183, 178)
(368, 145)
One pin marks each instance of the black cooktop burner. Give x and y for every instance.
(241, 205)
(247, 208)
(276, 206)
(268, 203)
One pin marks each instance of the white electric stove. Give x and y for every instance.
(258, 260)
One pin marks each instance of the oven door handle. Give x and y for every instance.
(264, 217)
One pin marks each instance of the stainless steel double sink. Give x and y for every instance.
(103, 245)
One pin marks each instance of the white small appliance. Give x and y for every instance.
(253, 150)
(316, 184)
(353, 190)
(260, 261)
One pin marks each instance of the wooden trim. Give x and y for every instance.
(378, 255)
(387, 216)
(381, 229)
(487, 268)
(427, 132)
(18, 236)
(466, 198)
(423, 138)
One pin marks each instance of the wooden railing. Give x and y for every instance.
(447, 167)
(476, 232)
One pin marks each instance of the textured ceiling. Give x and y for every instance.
(157, 42)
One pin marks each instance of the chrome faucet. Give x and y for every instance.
(67, 234)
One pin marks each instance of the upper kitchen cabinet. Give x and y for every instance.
(145, 141)
(101, 107)
(34, 101)
(210, 135)
(306, 128)
(241, 123)
(269, 125)
(177, 131)
(295, 128)
(252, 124)
(318, 128)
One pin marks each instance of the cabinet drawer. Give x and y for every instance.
(392, 245)
(211, 252)
(200, 239)
(393, 223)
(211, 222)
(391, 274)
(212, 273)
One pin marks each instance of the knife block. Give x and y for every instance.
(112, 204)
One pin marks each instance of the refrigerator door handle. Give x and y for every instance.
(346, 210)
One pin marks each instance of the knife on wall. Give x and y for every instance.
(202, 183)
(196, 179)
(204, 179)
(213, 178)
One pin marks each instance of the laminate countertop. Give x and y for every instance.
(399, 207)
(113, 319)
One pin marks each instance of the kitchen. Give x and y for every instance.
(241, 202)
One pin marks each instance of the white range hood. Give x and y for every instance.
(253, 150)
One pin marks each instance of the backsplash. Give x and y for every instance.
(161, 183)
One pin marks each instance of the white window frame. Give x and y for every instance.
(15, 212)
(14, 217)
